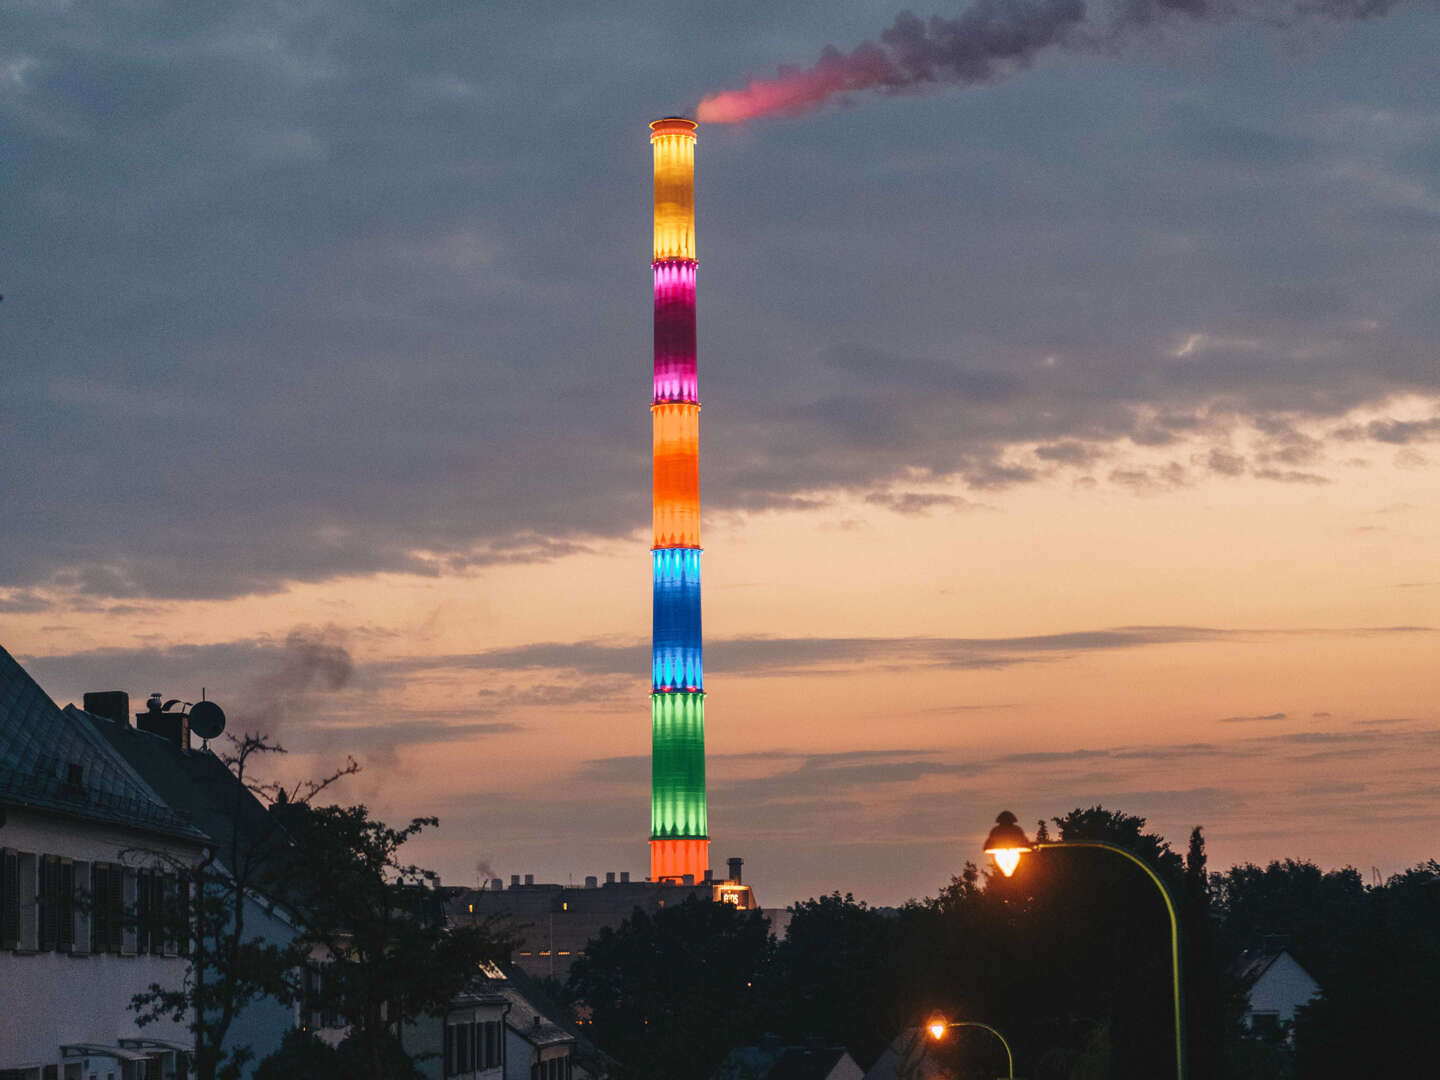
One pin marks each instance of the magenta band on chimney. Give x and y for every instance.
(675, 369)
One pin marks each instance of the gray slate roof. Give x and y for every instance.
(798, 1063)
(41, 745)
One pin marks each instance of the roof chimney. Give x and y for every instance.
(514, 881)
(591, 881)
(496, 884)
(529, 879)
(173, 727)
(609, 877)
(624, 877)
(735, 865)
(113, 705)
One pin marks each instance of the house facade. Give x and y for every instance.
(90, 860)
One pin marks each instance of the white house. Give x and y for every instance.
(90, 856)
(1278, 987)
(500, 1028)
(468, 1042)
(196, 784)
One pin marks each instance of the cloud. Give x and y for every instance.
(775, 656)
(916, 502)
(22, 602)
(1252, 719)
(283, 306)
(1226, 464)
(1068, 452)
(1291, 476)
(394, 734)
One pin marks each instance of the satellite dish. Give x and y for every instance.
(207, 719)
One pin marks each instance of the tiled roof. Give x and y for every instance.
(53, 760)
(804, 1064)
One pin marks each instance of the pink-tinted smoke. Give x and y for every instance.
(989, 40)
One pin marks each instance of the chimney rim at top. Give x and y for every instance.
(673, 125)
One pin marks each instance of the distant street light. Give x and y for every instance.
(938, 1025)
(1007, 842)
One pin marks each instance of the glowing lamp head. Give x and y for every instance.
(937, 1026)
(1007, 842)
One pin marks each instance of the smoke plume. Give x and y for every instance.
(312, 659)
(990, 40)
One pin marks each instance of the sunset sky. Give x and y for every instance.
(1071, 435)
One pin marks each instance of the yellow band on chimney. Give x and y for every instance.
(674, 141)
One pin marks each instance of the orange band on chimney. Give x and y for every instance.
(676, 858)
(677, 474)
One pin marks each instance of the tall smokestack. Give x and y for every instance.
(679, 840)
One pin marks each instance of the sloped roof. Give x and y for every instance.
(770, 1059)
(531, 1009)
(1249, 968)
(42, 745)
(195, 783)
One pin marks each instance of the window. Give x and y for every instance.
(183, 885)
(457, 1049)
(49, 903)
(491, 1038)
(107, 907)
(1265, 1024)
(154, 912)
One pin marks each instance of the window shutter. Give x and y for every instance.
(9, 899)
(115, 907)
(182, 922)
(143, 914)
(130, 884)
(65, 905)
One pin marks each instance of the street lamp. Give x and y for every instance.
(937, 1025)
(1007, 842)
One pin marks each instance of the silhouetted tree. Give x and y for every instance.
(834, 976)
(1288, 902)
(1379, 1013)
(374, 930)
(671, 994)
(230, 967)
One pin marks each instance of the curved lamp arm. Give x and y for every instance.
(1009, 1058)
(1174, 934)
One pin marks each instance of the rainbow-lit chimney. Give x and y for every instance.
(679, 840)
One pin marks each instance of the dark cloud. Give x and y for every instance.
(1226, 464)
(1396, 432)
(1069, 452)
(23, 602)
(393, 734)
(1251, 719)
(1291, 476)
(788, 656)
(301, 293)
(916, 502)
